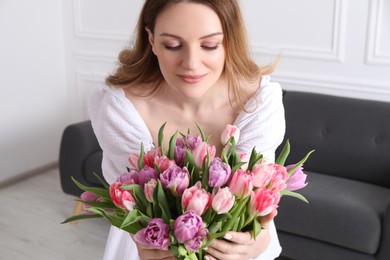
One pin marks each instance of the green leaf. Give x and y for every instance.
(99, 204)
(134, 219)
(161, 136)
(256, 228)
(102, 181)
(205, 171)
(162, 202)
(284, 153)
(141, 157)
(113, 219)
(172, 144)
(292, 170)
(294, 194)
(201, 133)
(215, 227)
(254, 158)
(80, 217)
(232, 150)
(237, 166)
(98, 191)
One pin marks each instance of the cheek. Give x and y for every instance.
(216, 61)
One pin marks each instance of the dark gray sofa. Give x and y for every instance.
(348, 215)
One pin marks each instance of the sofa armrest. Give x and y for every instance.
(77, 144)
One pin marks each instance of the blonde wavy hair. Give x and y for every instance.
(139, 66)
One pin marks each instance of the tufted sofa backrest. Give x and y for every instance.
(351, 137)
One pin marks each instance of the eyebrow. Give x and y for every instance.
(201, 38)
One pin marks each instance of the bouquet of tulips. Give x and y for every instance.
(183, 197)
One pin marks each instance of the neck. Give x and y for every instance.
(193, 106)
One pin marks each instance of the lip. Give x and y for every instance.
(192, 79)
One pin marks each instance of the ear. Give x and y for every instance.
(151, 38)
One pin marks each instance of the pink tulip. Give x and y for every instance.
(164, 163)
(149, 188)
(244, 157)
(264, 201)
(230, 131)
(133, 160)
(262, 174)
(200, 152)
(197, 199)
(297, 179)
(279, 177)
(122, 198)
(222, 200)
(241, 183)
(151, 155)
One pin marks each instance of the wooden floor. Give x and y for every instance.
(30, 217)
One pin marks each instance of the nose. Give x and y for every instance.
(191, 58)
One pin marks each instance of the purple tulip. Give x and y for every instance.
(180, 152)
(131, 176)
(219, 173)
(192, 141)
(297, 179)
(175, 179)
(189, 230)
(156, 234)
(89, 196)
(146, 174)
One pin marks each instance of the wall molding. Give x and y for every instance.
(95, 56)
(81, 91)
(351, 87)
(336, 51)
(82, 32)
(374, 56)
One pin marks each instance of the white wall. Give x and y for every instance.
(338, 47)
(52, 52)
(33, 95)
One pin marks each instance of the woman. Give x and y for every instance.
(190, 64)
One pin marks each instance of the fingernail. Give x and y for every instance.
(206, 258)
(206, 248)
(228, 236)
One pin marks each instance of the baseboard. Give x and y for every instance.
(28, 174)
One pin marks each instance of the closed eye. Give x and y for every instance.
(172, 48)
(210, 48)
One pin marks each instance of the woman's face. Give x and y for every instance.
(187, 41)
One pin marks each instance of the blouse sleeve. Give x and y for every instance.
(118, 127)
(263, 126)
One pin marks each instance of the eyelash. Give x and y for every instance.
(207, 48)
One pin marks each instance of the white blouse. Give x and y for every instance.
(120, 130)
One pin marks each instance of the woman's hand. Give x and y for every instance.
(241, 245)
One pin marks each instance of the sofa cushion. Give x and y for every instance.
(93, 164)
(351, 136)
(342, 212)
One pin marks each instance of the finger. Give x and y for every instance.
(214, 253)
(224, 247)
(264, 221)
(243, 238)
(209, 257)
